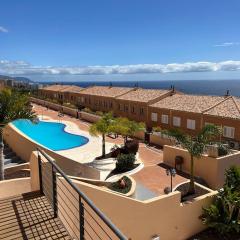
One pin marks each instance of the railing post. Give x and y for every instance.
(40, 173)
(81, 218)
(54, 190)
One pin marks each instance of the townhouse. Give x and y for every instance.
(70, 94)
(191, 112)
(134, 104)
(60, 93)
(52, 91)
(101, 98)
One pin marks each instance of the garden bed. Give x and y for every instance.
(183, 188)
(210, 234)
(117, 187)
(116, 171)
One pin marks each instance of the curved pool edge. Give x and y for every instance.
(63, 128)
(24, 147)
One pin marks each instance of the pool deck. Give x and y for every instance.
(83, 154)
(152, 176)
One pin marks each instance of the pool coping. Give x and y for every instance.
(62, 129)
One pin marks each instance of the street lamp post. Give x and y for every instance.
(172, 173)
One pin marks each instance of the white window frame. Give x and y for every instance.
(228, 132)
(164, 118)
(176, 121)
(191, 124)
(154, 117)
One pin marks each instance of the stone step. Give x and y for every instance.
(104, 162)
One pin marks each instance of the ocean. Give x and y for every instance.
(206, 87)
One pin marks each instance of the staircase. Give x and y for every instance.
(10, 157)
(104, 166)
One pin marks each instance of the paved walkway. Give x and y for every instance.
(151, 176)
(29, 216)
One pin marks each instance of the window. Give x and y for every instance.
(164, 118)
(191, 124)
(228, 132)
(82, 99)
(141, 111)
(176, 121)
(125, 108)
(132, 109)
(154, 117)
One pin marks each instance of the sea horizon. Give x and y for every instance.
(206, 87)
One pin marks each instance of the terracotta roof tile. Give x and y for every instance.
(188, 103)
(143, 95)
(72, 88)
(55, 87)
(106, 91)
(229, 108)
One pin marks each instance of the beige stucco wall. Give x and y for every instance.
(92, 118)
(24, 146)
(140, 135)
(156, 139)
(163, 215)
(13, 187)
(210, 169)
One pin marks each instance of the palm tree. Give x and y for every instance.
(195, 145)
(13, 105)
(102, 127)
(127, 128)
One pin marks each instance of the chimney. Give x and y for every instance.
(227, 93)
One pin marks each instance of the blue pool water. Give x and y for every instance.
(50, 134)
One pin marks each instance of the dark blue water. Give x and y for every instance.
(207, 87)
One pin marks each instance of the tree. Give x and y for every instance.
(103, 126)
(223, 214)
(127, 128)
(195, 145)
(13, 105)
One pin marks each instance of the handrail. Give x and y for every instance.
(83, 196)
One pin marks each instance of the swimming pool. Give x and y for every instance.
(50, 134)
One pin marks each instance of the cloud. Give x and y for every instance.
(4, 30)
(227, 44)
(24, 68)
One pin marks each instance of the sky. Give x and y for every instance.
(120, 40)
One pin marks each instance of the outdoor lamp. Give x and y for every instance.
(172, 173)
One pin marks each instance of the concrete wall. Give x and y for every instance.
(13, 187)
(140, 135)
(165, 215)
(158, 140)
(92, 118)
(24, 146)
(210, 169)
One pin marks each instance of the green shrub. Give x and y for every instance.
(118, 186)
(99, 113)
(131, 146)
(222, 150)
(223, 215)
(125, 162)
(233, 178)
(157, 129)
(87, 110)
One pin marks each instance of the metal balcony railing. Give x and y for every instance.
(79, 215)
